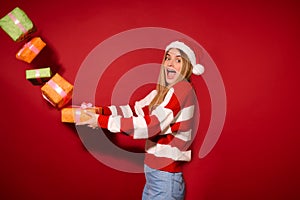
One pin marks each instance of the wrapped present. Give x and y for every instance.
(76, 114)
(17, 25)
(57, 91)
(38, 76)
(31, 49)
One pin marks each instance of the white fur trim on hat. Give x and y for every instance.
(198, 69)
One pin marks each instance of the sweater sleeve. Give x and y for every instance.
(124, 111)
(127, 111)
(148, 125)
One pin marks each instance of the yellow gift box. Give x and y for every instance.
(77, 114)
(57, 91)
(30, 49)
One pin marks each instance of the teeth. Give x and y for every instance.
(171, 71)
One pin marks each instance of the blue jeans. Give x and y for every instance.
(161, 185)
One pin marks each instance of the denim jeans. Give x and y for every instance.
(161, 185)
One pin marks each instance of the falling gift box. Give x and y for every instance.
(17, 25)
(38, 76)
(57, 91)
(77, 114)
(31, 49)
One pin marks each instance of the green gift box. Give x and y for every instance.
(17, 25)
(38, 76)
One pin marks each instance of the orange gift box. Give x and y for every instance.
(31, 49)
(57, 91)
(77, 114)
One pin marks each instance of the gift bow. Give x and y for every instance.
(86, 105)
(83, 107)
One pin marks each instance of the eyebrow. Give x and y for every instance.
(170, 55)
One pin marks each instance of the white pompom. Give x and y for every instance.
(198, 69)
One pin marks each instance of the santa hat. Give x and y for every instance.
(198, 69)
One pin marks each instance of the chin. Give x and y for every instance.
(170, 81)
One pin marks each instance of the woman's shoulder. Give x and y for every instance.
(183, 85)
(182, 90)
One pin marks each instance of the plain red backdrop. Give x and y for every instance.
(255, 45)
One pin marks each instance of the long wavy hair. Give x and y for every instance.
(163, 87)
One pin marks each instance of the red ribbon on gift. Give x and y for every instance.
(17, 22)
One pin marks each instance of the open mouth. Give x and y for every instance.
(171, 73)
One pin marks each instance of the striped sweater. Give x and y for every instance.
(167, 128)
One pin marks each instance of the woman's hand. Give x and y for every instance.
(92, 122)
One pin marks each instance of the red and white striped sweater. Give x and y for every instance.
(168, 128)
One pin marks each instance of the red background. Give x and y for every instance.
(255, 45)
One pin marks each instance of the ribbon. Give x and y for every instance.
(38, 75)
(80, 109)
(31, 48)
(77, 115)
(57, 89)
(17, 22)
(86, 105)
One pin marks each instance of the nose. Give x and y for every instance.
(171, 63)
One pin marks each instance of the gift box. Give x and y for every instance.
(17, 25)
(57, 91)
(31, 49)
(38, 76)
(77, 114)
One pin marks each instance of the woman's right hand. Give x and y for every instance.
(92, 122)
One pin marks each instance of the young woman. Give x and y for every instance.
(165, 119)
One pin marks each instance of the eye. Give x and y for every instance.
(167, 58)
(178, 60)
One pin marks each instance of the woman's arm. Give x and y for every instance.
(128, 111)
(160, 119)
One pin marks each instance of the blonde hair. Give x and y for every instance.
(162, 87)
